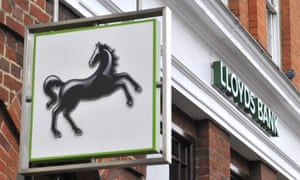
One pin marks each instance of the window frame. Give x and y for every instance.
(187, 140)
(273, 30)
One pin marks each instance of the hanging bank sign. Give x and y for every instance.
(91, 91)
(242, 96)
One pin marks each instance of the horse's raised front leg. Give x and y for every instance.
(124, 75)
(55, 131)
(77, 131)
(128, 96)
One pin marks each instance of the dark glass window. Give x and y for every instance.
(235, 176)
(182, 158)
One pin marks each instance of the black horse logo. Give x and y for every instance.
(103, 82)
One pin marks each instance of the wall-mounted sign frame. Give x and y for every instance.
(93, 88)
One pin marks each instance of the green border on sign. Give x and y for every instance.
(155, 108)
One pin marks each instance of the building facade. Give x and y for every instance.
(235, 86)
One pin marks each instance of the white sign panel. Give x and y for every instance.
(94, 92)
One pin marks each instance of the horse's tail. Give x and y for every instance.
(49, 83)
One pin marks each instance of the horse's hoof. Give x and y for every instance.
(138, 89)
(57, 134)
(130, 103)
(78, 132)
(48, 105)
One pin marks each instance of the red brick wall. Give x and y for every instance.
(252, 14)
(257, 21)
(129, 173)
(240, 9)
(122, 174)
(213, 152)
(14, 15)
(259, 171)
(9, 150)
(290, 35)
(286, 35)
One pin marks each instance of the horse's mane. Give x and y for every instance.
(115, 58)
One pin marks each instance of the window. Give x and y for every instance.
(236, 174)
(239, 166)
(273, 35)
(182, 158)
